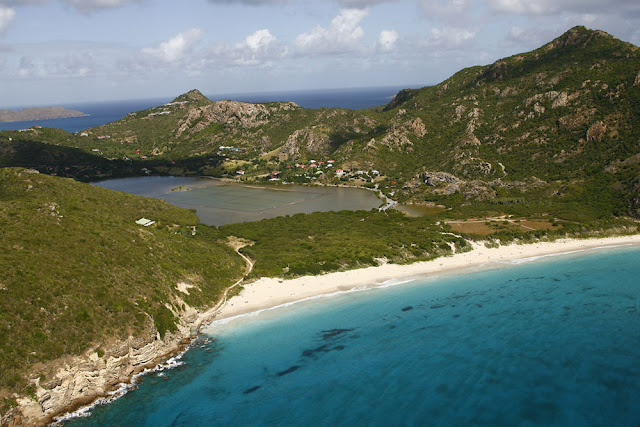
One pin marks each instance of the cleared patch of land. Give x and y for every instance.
(487, 226)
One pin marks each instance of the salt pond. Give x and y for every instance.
(218, 202)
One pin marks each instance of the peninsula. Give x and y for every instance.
(38, 113)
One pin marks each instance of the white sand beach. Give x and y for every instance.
(271, 292)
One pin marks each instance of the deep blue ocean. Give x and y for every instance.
(552, 341)
(105, 112)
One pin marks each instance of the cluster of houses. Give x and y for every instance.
(31, 129)
(314, 169)
(233, 149)
(180, 103)
(98, 137)
(159, 113)
(318, 166)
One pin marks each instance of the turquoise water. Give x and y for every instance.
(554, 341)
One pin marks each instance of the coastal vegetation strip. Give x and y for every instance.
(322, 242)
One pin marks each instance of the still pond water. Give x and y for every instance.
(218, 203)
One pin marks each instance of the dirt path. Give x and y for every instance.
(236, 244)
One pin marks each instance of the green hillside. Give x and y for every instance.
(77, 270)
(562, 118)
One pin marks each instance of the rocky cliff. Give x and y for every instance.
(77, 381)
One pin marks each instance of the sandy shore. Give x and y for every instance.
(272, 292)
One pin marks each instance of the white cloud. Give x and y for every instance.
(524, 7)
(520, 39)
(388, 39)
(449, 38)
(175, 48)
(257, 48)
(342, 36)
(26, 66)
(62, 65)
(88, 6)
(260, 40)
(7, 14)
(519, 36)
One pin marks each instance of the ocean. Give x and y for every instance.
(548, 341)
(100, 113)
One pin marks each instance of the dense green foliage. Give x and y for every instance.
(77, 269)
(323, 242)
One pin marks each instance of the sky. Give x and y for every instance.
(59, 52)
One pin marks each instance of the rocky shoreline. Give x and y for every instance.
(81, 380)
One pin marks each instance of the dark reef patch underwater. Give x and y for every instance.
(546, 342)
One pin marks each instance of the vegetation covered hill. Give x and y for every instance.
(561, 121)
(78, 271)
(556, 129)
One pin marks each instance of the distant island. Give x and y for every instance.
(38, 113)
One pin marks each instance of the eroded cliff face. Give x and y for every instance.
(79, 380)
(310, 140)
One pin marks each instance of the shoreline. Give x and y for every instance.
(268, 293)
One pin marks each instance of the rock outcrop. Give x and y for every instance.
(400, 135)
(311, 140)
(596, 131)
(231, 113)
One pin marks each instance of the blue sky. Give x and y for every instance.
(66, 51)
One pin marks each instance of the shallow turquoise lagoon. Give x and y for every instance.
(555, 341)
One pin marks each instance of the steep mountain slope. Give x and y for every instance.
(565, 112)
(581, 88)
